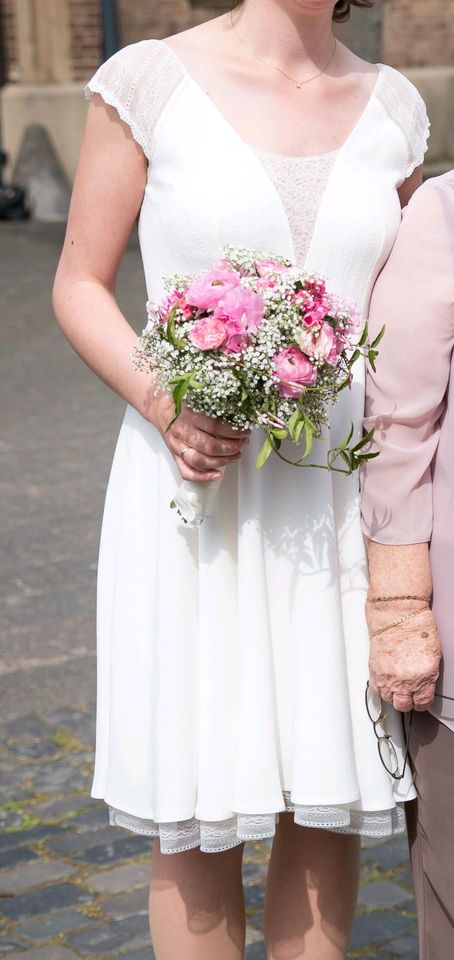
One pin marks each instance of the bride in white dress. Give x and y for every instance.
(233, 659)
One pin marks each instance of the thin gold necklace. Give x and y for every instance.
(298, 83)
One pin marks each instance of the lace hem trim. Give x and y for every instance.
(216, 837)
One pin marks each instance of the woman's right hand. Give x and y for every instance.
(208, 444)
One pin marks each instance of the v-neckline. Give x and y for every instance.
(254, 150)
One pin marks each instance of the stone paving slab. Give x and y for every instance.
(29, 875)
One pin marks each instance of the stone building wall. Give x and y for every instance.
(418, 33)
(10, 67)
(86, 37)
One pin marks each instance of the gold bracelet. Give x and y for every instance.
(396, 623)
(390, 599)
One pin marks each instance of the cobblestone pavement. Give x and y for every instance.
(70, 885)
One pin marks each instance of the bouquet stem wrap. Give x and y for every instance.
(194, 501)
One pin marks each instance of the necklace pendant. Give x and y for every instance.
(298, 86)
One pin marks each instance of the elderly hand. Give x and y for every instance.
(404, 660)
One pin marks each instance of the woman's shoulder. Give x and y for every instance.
(137, 59)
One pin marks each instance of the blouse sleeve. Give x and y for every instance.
(137, 81)
(405, 398)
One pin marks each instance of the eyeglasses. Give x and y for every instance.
(386, 749)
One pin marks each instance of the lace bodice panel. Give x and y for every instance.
(300, 183)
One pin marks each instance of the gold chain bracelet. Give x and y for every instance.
(397, 623)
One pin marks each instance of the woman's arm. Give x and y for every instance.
(409, 186)
(405, 399)
(107, 197)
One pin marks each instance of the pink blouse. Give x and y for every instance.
(408, 491)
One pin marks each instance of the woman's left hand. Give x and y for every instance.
(404, 661)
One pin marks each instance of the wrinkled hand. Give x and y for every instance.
(212, 443)
(404, 661)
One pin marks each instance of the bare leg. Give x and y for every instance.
(197, 905)
(311, 892)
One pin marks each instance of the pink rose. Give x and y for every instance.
(208, 333)
(243, 306)
(209, 288)
(293, 371)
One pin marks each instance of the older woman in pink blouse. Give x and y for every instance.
(408, 502)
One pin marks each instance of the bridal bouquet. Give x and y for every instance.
(257, 343)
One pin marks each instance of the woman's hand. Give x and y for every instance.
(404, 661)
(208, 444)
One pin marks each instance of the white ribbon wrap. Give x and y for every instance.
(194, 501)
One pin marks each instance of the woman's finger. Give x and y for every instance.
(402, 702)
(196, 476)
(198, 461)
(216, 427)
(188, 436)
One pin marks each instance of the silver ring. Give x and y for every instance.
(185, 450)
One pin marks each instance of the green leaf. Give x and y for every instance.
(293, 423)
(298, 431)
(171, 331)
(346, 441)
(279, 433)
(379, 338)
(308, 438)
(364, 336)
(265, 452)
(372, 356)
(354, 357)
(368, 456)
(346, 457)
(364, 441)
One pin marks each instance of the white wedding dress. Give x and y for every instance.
(232, 660)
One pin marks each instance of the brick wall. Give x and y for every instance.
(9, 65)
(86, 37)
(414, 32)
(418, 33)
(161, 18)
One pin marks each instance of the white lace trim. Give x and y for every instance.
(138, 82)
(215, 837)
(300, 183)
(405, 105)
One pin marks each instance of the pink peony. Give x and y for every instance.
(237, 338)
(265, 267)
(243, 306)
(172, 300)
(327, 347)
(307, 341)
(321, 344)
(293, 371)
(208, 333)
(209, 288)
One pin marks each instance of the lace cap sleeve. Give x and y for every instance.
(137, 81)
(407, 108)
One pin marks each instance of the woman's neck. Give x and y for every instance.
(286, 32)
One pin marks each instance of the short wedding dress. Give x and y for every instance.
(233, 659)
